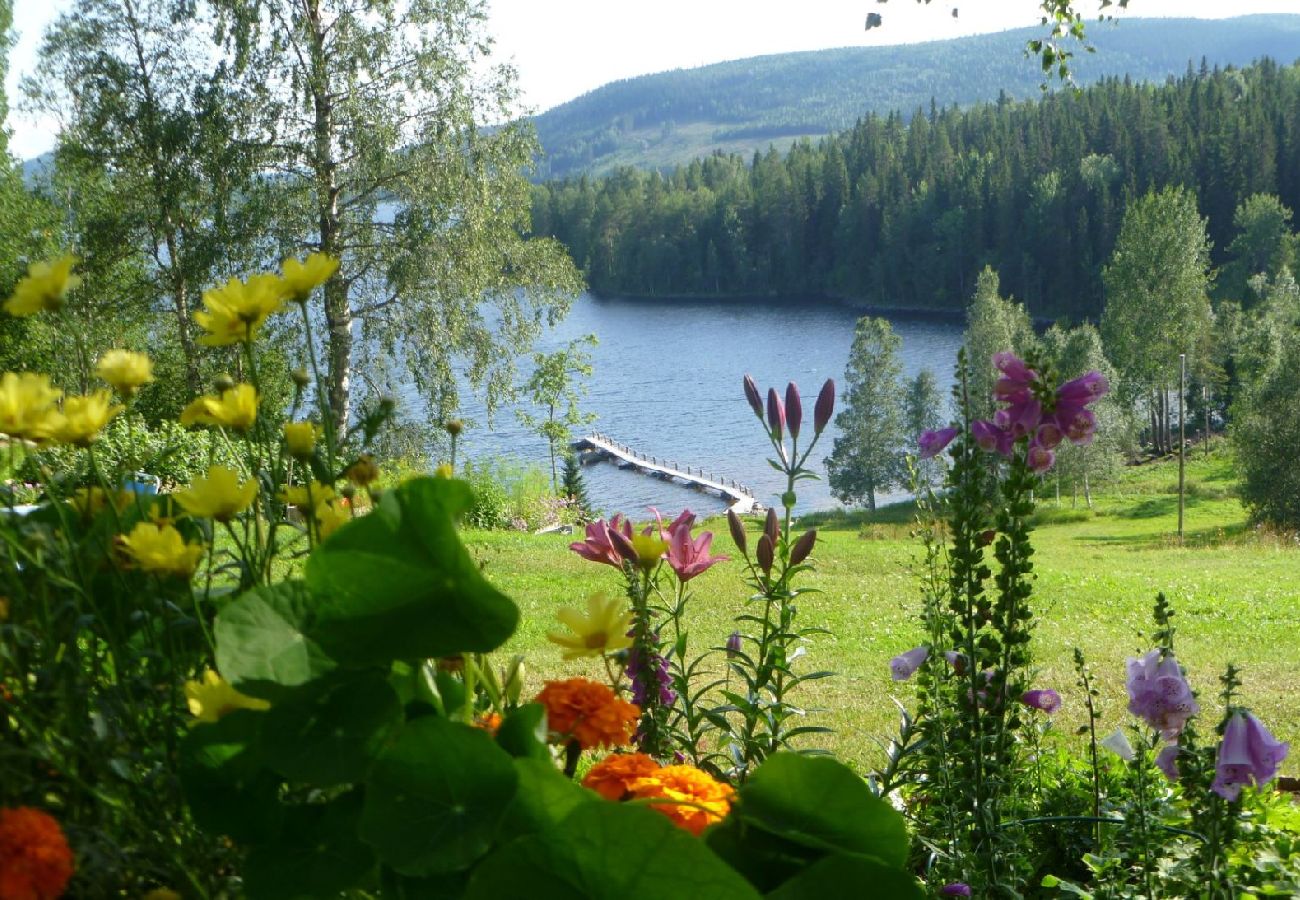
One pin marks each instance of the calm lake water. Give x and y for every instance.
(667, 382)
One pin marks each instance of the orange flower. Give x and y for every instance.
(693, 799)
(35, 862)
(489, 722)
(588, 712)
(614, 776)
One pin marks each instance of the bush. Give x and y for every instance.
(511, 495)
(1265, 436)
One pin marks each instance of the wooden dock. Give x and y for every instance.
(596, 446)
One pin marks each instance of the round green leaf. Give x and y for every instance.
(226, 785)
(434, 797)
(840, 875)
(318, 854)
(262, 642)
(523, 732)
(544, 797)
(330, 731)
(398, 584)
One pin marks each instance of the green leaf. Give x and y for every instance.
(821, 803)
(841, 875)
(608, 851)
(329, 732)
(398, 584)
(226, 785)
(523, 732)
(262, 641)
(544, 797)
(318, 854)
(765, 859)
(434, 797)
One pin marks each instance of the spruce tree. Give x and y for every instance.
(574, 489)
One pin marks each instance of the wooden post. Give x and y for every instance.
(1205, 405)
(1182, 442)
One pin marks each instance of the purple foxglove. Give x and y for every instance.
(1083, 390)
(1159, 694)
(955, 889)
(1039, 458)
(1248, 753)
(931, 443)
(902, 667)
(1167, 761)
(1043, 699)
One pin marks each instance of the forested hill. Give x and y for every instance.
(662, 120)
(905, 215)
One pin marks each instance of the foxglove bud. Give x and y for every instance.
(771, 527)
(766, 553)
(775, 414)
(752, 395)
(737, 531)
(733, 644)
(793, 409)
(825, 406)
(623, 546)
(803, 547)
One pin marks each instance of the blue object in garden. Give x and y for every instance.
(142, 483)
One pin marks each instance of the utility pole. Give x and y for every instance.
(1182, 441)
(1205, 405)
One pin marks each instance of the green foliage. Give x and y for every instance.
(1264, 245)
(573, 488)
(1265, 437)
(554, 386)
(993, 324)
(510, 495)
(866, 458)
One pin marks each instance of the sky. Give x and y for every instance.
(564, 48)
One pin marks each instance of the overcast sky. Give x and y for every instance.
(564, 48)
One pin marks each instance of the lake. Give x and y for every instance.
(667, 382)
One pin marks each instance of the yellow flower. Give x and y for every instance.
(88, 502)
(363, 471)
(213, 697)
(125, 370)
(330, 515)
(444, 471)
(649, 550)
(161, 549)
(235, 310)
(306, 495)
(44, 287)
(220, 496)
(26, 401)
(235, 408)
(602, 630)
(301, 278)
(300, 438)
(81, 420)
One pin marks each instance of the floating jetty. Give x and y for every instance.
(595, 447)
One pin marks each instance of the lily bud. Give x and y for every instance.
(793, 409)
(775, 414)
(825, 406)
(771, 527)
(512, 685)
(803, 547)
(752, 395)
(737, 531)
(766, 553)
(622, 546)
(223, 383)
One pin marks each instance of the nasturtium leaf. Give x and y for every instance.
(544, 797)
(608, 851)
(228, 788)
(765, 859)
(317, 854)
(821, 803)
(263, 645)
(398, 584)
(435, 795)
(330, 731)
(522, 732)
(843, 875)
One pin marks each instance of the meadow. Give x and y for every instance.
(1235, 589)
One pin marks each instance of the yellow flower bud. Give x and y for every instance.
(363, 471)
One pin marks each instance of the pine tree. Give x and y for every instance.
(573, 488)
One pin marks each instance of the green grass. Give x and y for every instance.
(1235, 590)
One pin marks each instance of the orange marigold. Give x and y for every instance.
(614, 776)
(489, 722)
(35, 861)
(586, 711)
(698, 800)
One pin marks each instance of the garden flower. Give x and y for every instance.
(126, 370)
(363, 471)
(489, 722)
(956, 660)
(1049, 435)
(802, 547)
(678, 786)
(793, 409)
(219, 496)
(597, 546)
(688, 557)
(1044, 699)
(45, 287)
(932, 443)
(332, 515)
(1159, 694)
(614, 776)
(300, 438)
(1167, 761)
(662, 683)
(81, 419)
(1248, 753)
(825, 406)
(1081, 426)
(902, 666)
(588, 713)
(27, 399)
(301, 278)
(1039, 458)
(990, 438)
(89, 502)
(213, 697)
(649, 549)
(305, 495)
(955, 889)
(1117, 742)
(35, 860)
(237, 309)
(1081, 391)
(236, 408)
(1016, 376)
(751, 395)
(733, 644)
(161, 549)
(444, 471)
(602, 630)
(775, 414)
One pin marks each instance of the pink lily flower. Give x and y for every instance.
(598, 547)
(688, 557)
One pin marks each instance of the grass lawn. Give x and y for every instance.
(1236, 591)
